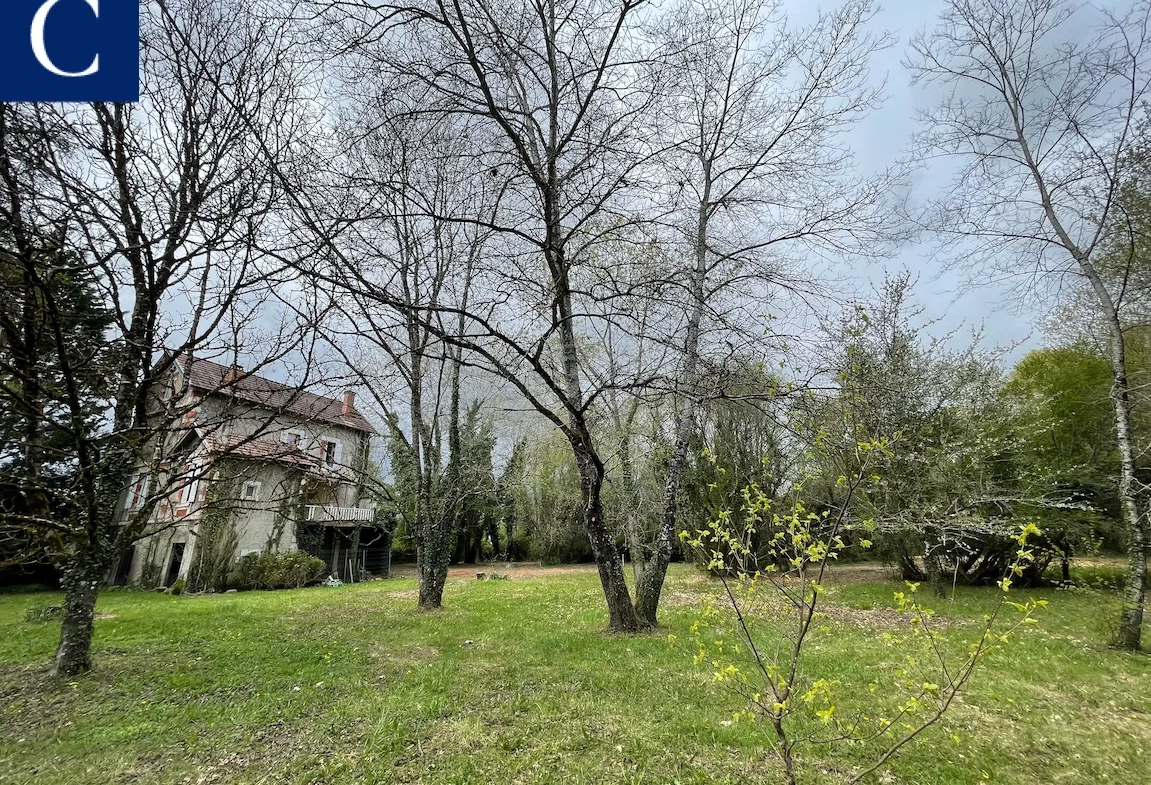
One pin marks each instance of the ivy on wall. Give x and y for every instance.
(216, 537)
(291, 510)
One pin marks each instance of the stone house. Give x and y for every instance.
(255, 465)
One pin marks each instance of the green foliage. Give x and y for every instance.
(756, 638)
(506, 495)
(740, 442)
(1092, 577)
(177, 588)
(547, 504)
(275, 570)
(34, 386)
(403, 469)
(216, 536)
(461, 497)
(966, 474)
(1062, 434)
(470, 488)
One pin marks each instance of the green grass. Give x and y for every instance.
(517, 682)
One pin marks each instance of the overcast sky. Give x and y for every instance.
(883, 138)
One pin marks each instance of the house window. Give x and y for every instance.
(188, 485)
(293, 438)
(139, 493)
(250, 492)
(329, 453)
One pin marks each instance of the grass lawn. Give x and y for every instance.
(516, 681)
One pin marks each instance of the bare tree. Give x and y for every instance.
(1040, 102)
(407, 235)
(760, 170)
(157, 207)
(560, 100)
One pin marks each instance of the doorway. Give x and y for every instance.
(124, 568)
(175, 563)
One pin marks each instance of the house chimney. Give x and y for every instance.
(234, 373)
(349, 403)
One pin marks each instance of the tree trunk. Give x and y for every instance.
(81, 584)
(433, 571)
(494, 533)
(471, 546)
(1130, 626)
(388, 536)
(648, 590)
(621, 614)
(1135, 588)
(434, 540)
(633, 526)
(1130, 494)
(635, 549)
(354, 556)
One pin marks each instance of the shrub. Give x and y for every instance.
(1099, 577)
(964, 551)
(757, 635)
(274, 570)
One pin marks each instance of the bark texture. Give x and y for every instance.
(74, 653)
(622, 616)
(1135, 588)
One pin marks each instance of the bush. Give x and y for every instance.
(274, 570)
(975, 552)
(1099, 577)
(40, 614)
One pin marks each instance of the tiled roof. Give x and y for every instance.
(210, 377)
(262, 450)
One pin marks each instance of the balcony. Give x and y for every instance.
(324, 514)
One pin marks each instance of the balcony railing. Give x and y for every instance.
(325, 514)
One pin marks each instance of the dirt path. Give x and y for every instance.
(513, 570)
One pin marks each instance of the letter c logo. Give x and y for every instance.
(41, 51)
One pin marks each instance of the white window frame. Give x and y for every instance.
(256, 485)
(186, 495)
(298, 441)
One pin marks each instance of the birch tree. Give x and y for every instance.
(1039, 102)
